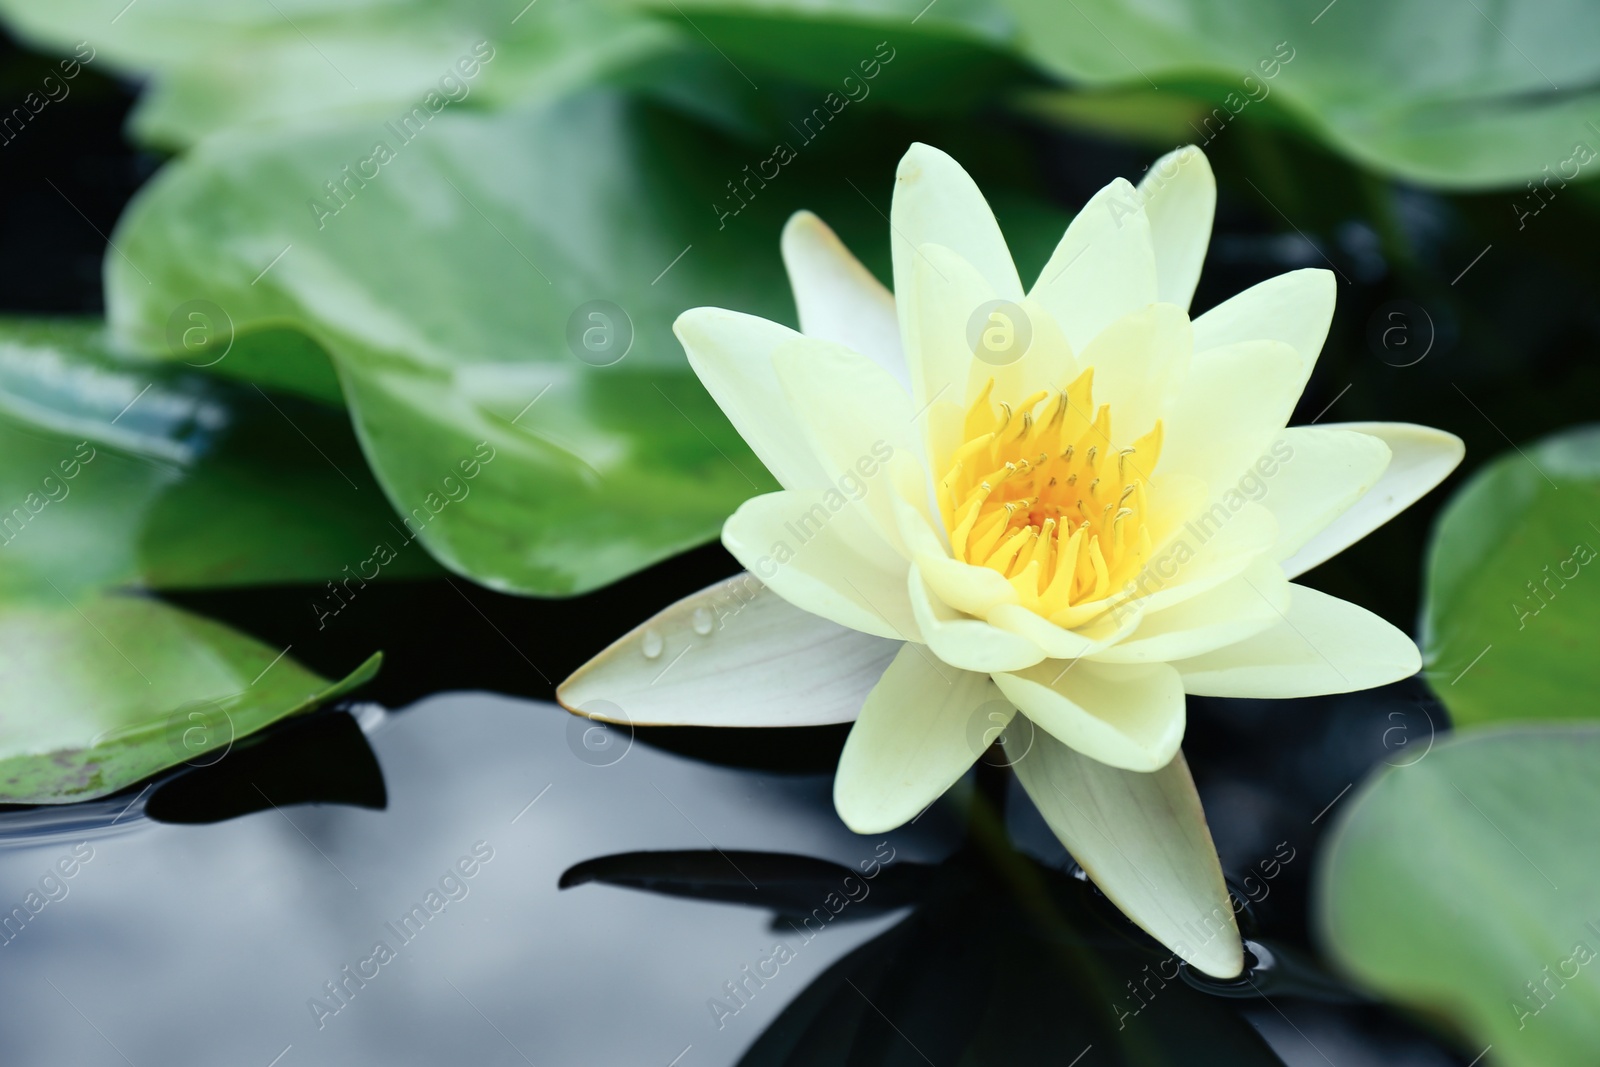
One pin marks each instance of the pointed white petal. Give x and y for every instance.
(837, 298)
(764, 662)
(1142, 838)
(817, 551)
(937, 202)
(1141, 364)
(1214, 546)
(1294, 308)
(732, 354)
(1180, 198)
(1103, 268)
(943, 294)
(1322, 645)
(915, 738)
(1422, 458)
(1310, 476)
(1232, 611)
(856, 417)
(965, 642)
(1234, 404)
(1127, 716)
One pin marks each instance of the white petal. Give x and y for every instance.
(1234, 404)
(1422, 458)
(1310, 476)
(857, 419)
(937, 202)
(1294, 308)
(1180, 199)
(1214, 546)
(1232, 611)
(1103, 268)
(1058, 641)
(1142, 838)
(921, 728)
(765, 662)
(1141, 364)
(1130, 717)
(824, 559)
(1323, 645)
(941, 296)
(732, 354)
(965, 642)
(837, 298)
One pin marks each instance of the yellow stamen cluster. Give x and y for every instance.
(1039, 493)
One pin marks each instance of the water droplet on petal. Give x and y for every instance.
(651, 644)
(702, 621)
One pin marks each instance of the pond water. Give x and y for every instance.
(417, 915)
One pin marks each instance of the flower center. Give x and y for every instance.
(1040, 494)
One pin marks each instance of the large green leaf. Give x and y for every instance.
(115, 472)
(918, 56)
(215, 66)
(446, 290)
(1460, 96)
(102, 690)
(1464, 885)
(1512, 605)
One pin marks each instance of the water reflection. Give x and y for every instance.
(496, 895)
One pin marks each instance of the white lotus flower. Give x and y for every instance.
(1074, 503)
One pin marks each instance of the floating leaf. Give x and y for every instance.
(1464, 886)
(116, 473)
(456, 291)
(1427, 90)
(213, 67)
(103, 690)
(1509, 619)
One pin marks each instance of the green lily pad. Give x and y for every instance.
(1431, 91)
(1509, 615)
(99, 692)
(454, 294)
(1463, 886)
(219, 66)
(115, 472)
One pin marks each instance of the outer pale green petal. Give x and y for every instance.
(1180, 199)
(915, 738)
(837, 298)
(1142, 838)
(815, 550)
(971, 644)
(1103, 268)
(1234, 404)
(1323, 645)
(936, 202)
(857, 419)
(1141, 364)
(1127, 716)
(732, 354)
(1238, 608)
(941, 295)
(1423, 457)
(1294, 308)
(1311, 475)
(765, 662)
